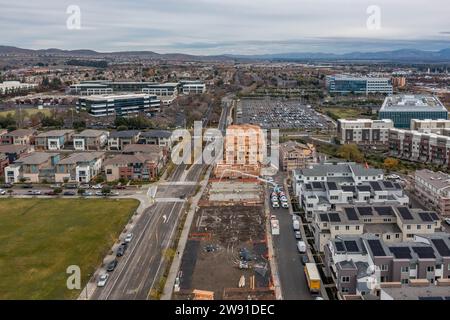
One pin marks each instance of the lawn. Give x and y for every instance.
(29, 112)
(346, 113)
(40, 238)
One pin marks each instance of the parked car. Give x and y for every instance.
(99, 193)
(301, 246)
(7, 186)
(275, 205)
(55, 186)
(87, 194)
(27, 186)
(283, 198)
(69, 193)
(84, 186)
(112, 265)
(447, 221)
(50, 193)
(102, 280)
(97, 186)
(119, 187)
(2, 192)
(121, 250)
(305, 259)
(34, 192)
(284, 205)
(128, 238)
(71, 186)
(274, 199)
(298, 235)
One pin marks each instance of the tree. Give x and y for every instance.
(106, 189)
(390, 163)
(350, 152)
(57, 190)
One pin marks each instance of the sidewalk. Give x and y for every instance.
(176, 263)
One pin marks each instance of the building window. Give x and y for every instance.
(384, 267)
(419, 227)
(438, 267)
(397, 235)
(404, 269)
(429, 226)
(344, 290)
(448, 267)
(347, 228)
(388, 237)
(408, 227)
(430, 269)
(336, 228)
(357, 227)
(345, 279)
(108, 171)
(405, 281)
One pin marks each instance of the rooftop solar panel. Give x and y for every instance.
(405, 213)
(348, 188)
(317, 185)
(434, 216)
(425, 216)
(308, 186)
(441, 247)
(397, 186)
(332, 185)
(384, 211)
(351, 246)
(339, 246)
(388, 184)
(424, 252)
(334, 217)
(375, 185)
(324, 217)
(363, 188)
(365, 211)
(351, 214)
(376, 247)
(401, 252)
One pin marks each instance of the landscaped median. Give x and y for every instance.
(40, 238)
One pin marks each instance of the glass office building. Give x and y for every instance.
(365, 85)
(401, 109)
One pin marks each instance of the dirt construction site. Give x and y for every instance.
(226, 253)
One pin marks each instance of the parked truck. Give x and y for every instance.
(312, 277)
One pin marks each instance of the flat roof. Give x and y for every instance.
(408, 103)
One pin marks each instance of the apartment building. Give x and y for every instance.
(401, 109)
(364, 132)
(433, 188)
(118, 139)
(243, 152)
(357, 84)
(389, 223)
(119, 105)
(90, 140)
(320, 196)
(419, 146)
(362, 265)
(430, 126)
(19, 137)
(79, 167)
(13, 152)
(162, 138)
(36, 167)
(54, 140)
(295, 155)
(140, 166)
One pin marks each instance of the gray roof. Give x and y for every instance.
(124, 134)
(415, 103)
(90, 133)
(156, 134)
(324, 169)
(54, 133)
(35, 158)
(81, 157)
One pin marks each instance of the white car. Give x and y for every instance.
(298, 235)
(274, 199)
(283, 198)
(87, 194)
(128, 238)
(447, 221)
(102, 280)
(275, 205)
(2, 192)
(284, 205)
(97, 186)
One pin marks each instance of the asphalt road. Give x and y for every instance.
(290, 268)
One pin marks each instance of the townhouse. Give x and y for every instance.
(90, 140)
(363, 265)
(36, 167)
(295, 155)
(118, 139)
(364, 132)
(54, 140)
(387, 222)
(79, 167)
(19, 137)
(162, 138)
(434, 189)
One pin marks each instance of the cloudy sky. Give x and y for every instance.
(227, 26)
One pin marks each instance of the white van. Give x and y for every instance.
(301, 246)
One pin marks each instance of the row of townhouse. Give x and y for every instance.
(87, 140)
(136, 162)
(433, 188)
(367, 266)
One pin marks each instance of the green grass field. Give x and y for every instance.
(40, 238)
(29, 112)
(346, 113)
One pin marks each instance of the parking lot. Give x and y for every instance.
(283, 114)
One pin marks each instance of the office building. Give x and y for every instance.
(100, 87)
(401, 109)
(364, 132)
(166, 92)
(354, 84)
(192, 87)
(8, 87)
(119, 105)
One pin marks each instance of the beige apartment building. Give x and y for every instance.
(364, 132)
(434, 189)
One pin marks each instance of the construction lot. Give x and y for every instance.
(226, 252)
(276, 113)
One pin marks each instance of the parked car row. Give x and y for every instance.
(278, 196)
(111, 266)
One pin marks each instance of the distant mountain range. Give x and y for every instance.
(409, 55)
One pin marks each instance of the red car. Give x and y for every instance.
(50, 193)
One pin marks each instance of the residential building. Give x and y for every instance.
(358, 84)
(119, 105)
(295, 155)
(421, 147)
(433, 188)
(139, 166)
(162, 138)
(398, 82)
(19, 137)
(244, 147)
(79, 167)
(401, 109)
(36, 167)
(8, 87)
(391, 223)
(14, 152)
(90, 140)
(362, 265)
(364, 132)
(438, 126)
(54, 140)
(118, 139)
